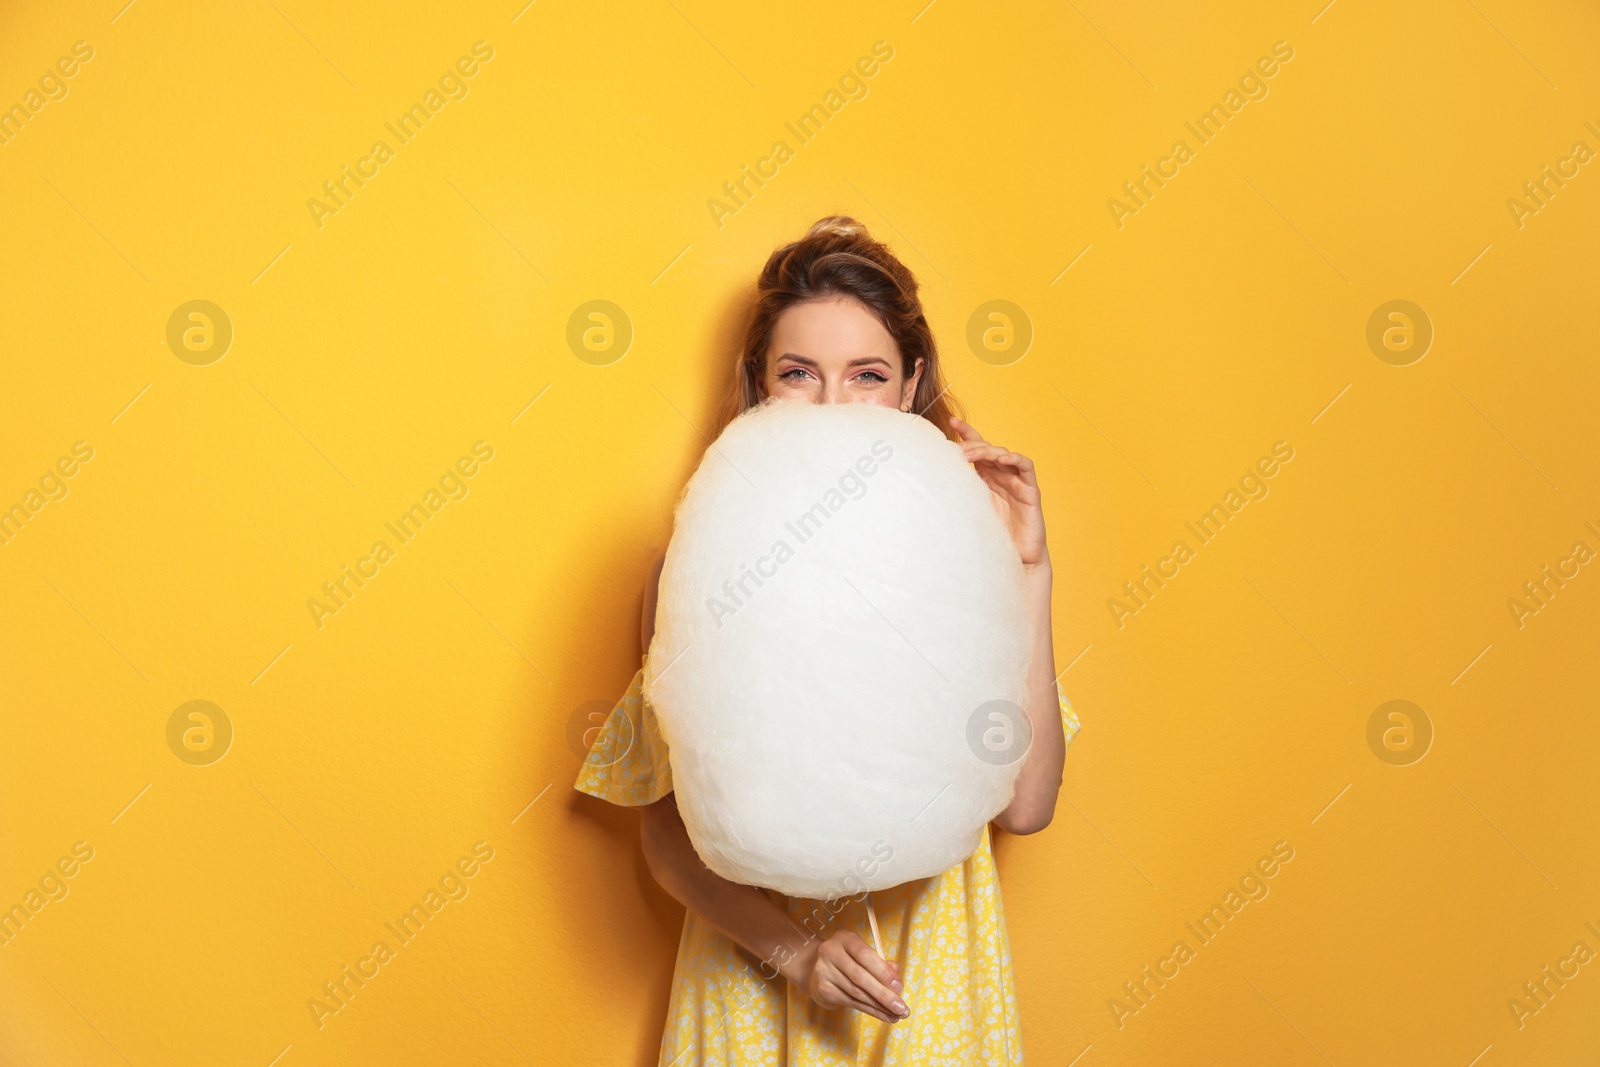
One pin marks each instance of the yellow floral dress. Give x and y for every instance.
(946, 933)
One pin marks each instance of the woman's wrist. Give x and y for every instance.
(1037, 577)
(798, 964)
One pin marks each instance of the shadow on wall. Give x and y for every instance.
(608, 562)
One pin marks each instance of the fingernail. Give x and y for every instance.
(899, 1008)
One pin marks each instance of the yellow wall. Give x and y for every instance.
(374, 346)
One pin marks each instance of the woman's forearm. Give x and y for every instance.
(742, 912)
(1039, 781)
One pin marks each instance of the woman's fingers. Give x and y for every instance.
(860, 999)
(835, 990)
(978, 450)
(965, 429)
(983, 450)
(863, 978)
(881, 969)
(1008, 466)
(859, 967)
(863, 1004)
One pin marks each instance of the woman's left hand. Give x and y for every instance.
(1013, 489)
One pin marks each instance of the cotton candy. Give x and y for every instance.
(840, 652)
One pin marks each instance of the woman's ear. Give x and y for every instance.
(908, 389)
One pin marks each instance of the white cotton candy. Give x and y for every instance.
(841, 650)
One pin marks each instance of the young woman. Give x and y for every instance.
(765, 979)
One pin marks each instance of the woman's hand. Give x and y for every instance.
(1013, 489)
(844, 971)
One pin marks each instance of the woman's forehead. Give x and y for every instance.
(840, 330)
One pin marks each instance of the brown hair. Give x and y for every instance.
(837, 257)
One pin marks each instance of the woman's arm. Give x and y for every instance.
(841, 970)
(1039, 782)
(1014, 488)
(647, 611)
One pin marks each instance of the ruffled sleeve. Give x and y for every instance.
(627, 764)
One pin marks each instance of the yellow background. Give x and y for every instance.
(368, 354)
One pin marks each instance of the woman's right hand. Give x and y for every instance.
(844, 971)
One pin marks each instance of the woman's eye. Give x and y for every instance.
(873, 376)
(793, 374)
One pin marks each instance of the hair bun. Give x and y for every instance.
(840, 224)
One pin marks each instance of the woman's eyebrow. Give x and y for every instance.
(860, 362)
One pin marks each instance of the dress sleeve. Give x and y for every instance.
(627, 764)
(1069, 718)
